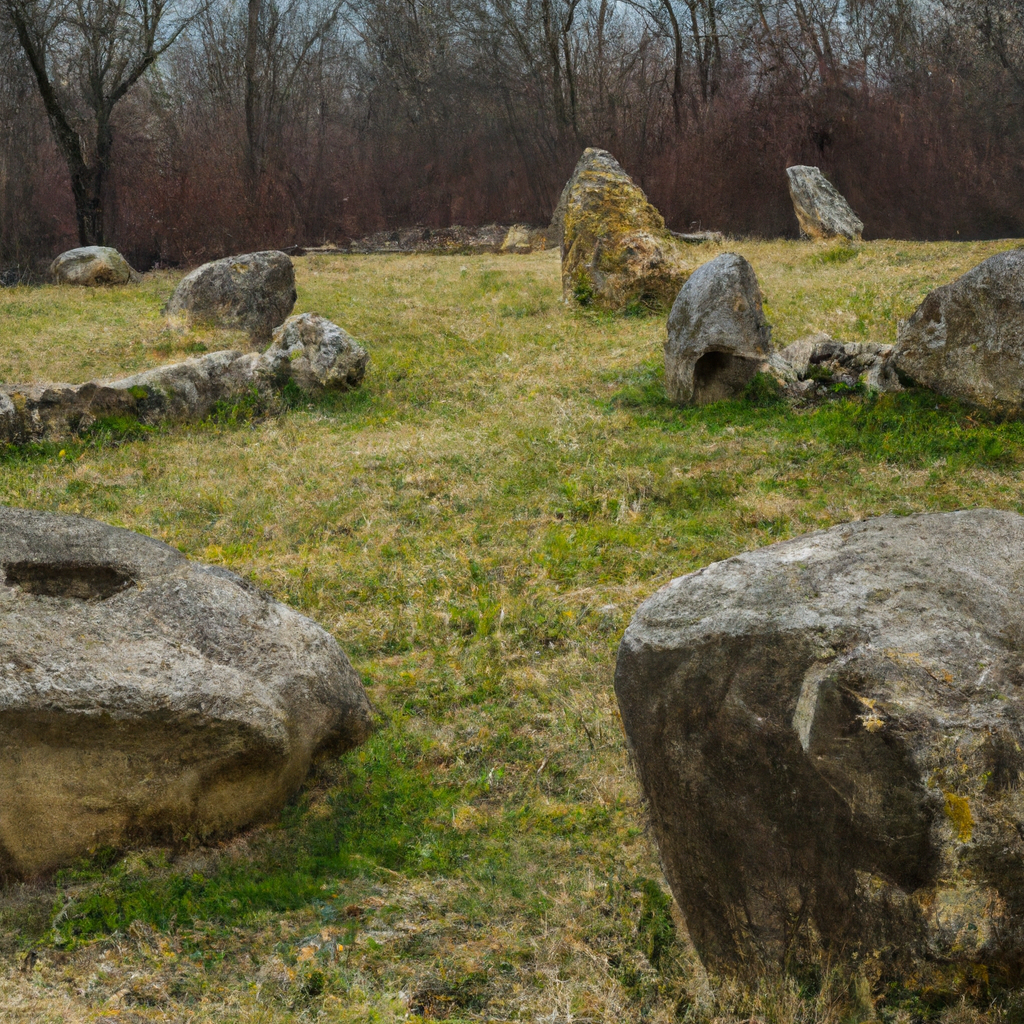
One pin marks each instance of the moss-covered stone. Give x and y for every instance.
(616, 249)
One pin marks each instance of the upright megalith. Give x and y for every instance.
(90, 266)
(616, 249)
(830, 735)
(966, 339)
(718, 337)
(254, 292)
(820, 209)
(144, 697)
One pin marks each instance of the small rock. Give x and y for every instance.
(868, 362)
(92, 265)
(254, 292)
(699, 237)
(144, 697)
(829, 732)
(966, 340)
(820, 209)
(317, 354)
(520, 239)
(718, 337)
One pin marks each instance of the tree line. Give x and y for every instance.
(184, 129)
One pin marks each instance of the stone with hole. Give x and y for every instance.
(830, 735)
(146, 698)
(254, 292)
(718, 337)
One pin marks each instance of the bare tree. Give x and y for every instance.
(85, 55)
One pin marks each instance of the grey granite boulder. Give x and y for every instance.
(820, 209)
(317, 354)
(718, 337)
(830, 734)
(254, 292)
(90, 266)
(966, 339)
(144, 697)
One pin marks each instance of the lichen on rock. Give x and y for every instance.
(830, 735)
(616, 249)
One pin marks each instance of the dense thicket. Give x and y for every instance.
(274, 122)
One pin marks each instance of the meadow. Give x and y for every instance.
(475, 525)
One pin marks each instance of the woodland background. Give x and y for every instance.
(267, 123)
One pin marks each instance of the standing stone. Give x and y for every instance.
(820, 209)
(144, 697)
(254, 292)
(718, 337)
(616, 249)
(90, 266)
(830, 734)
(966, 340)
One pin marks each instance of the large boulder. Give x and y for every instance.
(830, 733)
(616, 249)
(144, 697)
(718, 337)
(308, 352)
(254, 292)
(966, 340)
(820, 209)
(90, 266)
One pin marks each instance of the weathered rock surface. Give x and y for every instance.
(144, 697)
(966, 340)
(615, 248)
(820, 209)
(450, 241)
(92, 265)
(590, 159)
(521, 238)
(830, 732)
(317, 354)
(308, 350)
(718, 337)
(848, 363)
(254, 292)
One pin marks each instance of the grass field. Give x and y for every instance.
(475, 525)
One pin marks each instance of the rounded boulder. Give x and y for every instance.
(254, 292)
(90, 266)
(146, 698)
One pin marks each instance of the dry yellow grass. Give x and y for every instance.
(475, 525)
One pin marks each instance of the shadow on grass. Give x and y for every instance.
(913, 428)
